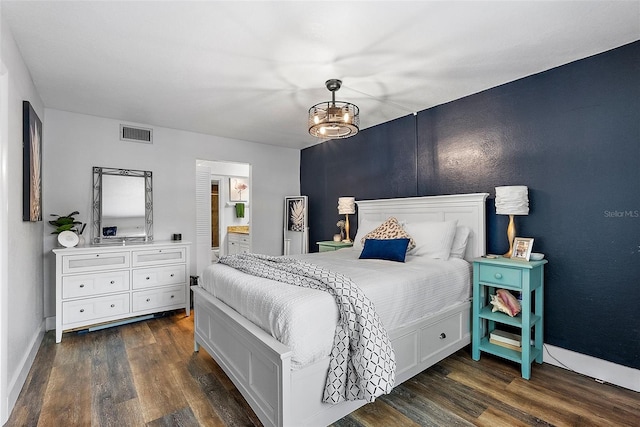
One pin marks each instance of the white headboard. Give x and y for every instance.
(468, 209)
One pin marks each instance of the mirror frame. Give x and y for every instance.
(98, 173)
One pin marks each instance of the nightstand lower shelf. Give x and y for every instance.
(507, 353)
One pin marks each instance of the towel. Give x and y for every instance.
(239, 210)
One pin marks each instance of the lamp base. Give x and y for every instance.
(346, 229)
(511, 235)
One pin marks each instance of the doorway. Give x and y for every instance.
(213, 186)
(215, 220)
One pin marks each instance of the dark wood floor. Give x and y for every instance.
(146, 374)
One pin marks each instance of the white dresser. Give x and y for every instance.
(98, 284)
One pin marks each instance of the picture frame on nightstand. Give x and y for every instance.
(522, 247)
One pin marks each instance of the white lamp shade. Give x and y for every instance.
(512, 200)
(346, 205)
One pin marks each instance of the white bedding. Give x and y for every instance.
(305, 319)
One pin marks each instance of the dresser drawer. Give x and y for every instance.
(94, 262)
(239, 238)
(94, 309)
(503, 276)
(86, 285)
(159, 256)
(159, 276)
(154, 299)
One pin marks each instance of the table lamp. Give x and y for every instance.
(512, 200)
(346, 206)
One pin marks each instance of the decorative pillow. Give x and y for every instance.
(459, 246)
(433, 239)
(387, 249)
(390, 229)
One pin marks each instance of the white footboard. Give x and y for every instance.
(260, 366)
(257, 363)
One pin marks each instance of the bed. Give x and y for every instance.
(265, 371)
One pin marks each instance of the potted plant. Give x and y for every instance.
(68, 223)
(65, 223)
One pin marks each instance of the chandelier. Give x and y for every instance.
(333, 119)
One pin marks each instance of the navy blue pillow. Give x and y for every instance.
(387, 249)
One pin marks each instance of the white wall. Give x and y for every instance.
(21, 275)
(76, 142)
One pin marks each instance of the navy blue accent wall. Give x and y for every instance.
(572, 135)
(337, 168)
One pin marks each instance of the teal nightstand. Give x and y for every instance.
(332, 246)
(516, 276)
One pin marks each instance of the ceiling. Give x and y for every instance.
(250, 70)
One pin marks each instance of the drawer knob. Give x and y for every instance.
(112, 282)
(82, 310)
(171, 274)
(443, 336)
(82, 285)
(113, 305)
(171, 296)
(147, 277)
(498, 275)
(148, 299)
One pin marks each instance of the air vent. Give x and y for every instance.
(135, 134)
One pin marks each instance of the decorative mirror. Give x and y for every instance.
(122, 205)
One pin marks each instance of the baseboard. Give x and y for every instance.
(599, 369)
(50, 323)
(18, 380)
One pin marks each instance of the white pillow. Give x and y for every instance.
(365, 227)
(459, 246)
(433, 239)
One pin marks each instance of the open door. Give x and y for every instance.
(296, 230)
(203, 218)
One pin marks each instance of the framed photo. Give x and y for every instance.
(238, 189)
(296, 213)
(31, 164)
(522, 248)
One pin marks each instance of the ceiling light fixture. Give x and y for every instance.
(334, 119)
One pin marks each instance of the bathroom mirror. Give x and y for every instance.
(122, 205)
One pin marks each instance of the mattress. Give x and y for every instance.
(305, 319)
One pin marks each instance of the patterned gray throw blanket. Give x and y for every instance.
(362, 363)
